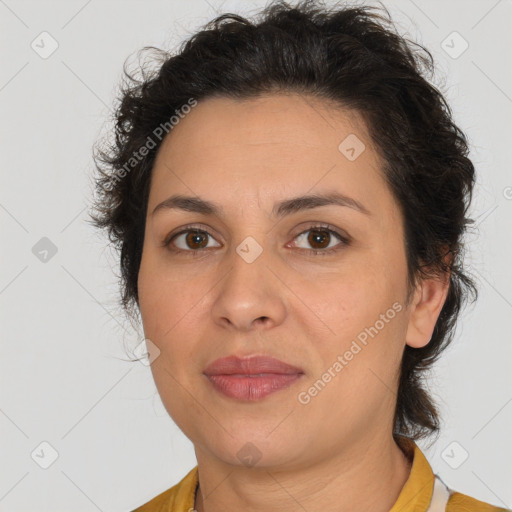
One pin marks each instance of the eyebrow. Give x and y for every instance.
(281, 209)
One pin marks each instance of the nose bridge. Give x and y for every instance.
(249, 291)
(249, 263)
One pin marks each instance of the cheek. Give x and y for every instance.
(362, 310)
(171, 308)
(164, 297)
(350, 301)
(167, 314)
(359, 363)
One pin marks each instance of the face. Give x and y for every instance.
(320, 288)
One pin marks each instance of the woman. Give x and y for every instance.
(289, 196)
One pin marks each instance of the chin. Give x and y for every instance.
(253, 448)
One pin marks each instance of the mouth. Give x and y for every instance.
(251, 378)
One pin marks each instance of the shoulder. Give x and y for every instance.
(161, 503)
(459, 502)
(417, 493)
(179, 498)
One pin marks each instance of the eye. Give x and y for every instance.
(320, 238)
(189, 239)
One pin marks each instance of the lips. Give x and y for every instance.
(254, 365)
(251, 378)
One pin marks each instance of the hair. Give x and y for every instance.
(351, 56)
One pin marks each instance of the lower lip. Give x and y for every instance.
(253, 388)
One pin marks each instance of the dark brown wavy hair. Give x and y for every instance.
(354, 57)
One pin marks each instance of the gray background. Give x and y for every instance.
(65, 378)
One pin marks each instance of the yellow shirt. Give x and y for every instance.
(415, 495)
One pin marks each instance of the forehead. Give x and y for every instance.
(279, 120)
(276, 146)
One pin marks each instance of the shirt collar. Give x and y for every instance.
(416, 494)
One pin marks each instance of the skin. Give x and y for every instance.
(337, 451)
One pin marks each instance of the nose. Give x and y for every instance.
(250, 295)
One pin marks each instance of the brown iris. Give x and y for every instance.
(315, 235)
(192, 237)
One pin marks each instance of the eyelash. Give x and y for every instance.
(345, 241)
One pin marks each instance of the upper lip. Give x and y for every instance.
(250, 365)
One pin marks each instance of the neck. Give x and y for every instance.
(367, 476)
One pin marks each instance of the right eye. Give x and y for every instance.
(190, 239)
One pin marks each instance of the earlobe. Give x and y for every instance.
(426, 306)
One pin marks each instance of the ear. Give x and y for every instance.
(429, 298)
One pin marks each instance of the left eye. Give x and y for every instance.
(319, 236)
